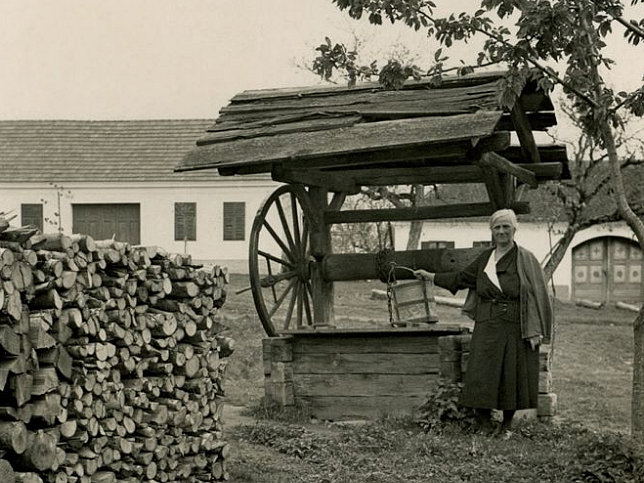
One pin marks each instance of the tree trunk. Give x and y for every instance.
(637, 225)
(415, 230)
(559, 252)
(637, 403)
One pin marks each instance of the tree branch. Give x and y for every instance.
(535, 63)
(630, 26)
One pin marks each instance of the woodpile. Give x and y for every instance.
(111, 362)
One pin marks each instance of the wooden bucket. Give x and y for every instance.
(413, 303)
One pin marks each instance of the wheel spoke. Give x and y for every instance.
(305, 239)
(289, 312)
(287, 229)
(279, 241)
(275, 259)
(309, 289)
(270, 279)
(307, 306)
(282, 297)
(270, 274)
(300, 299)
(296, 221)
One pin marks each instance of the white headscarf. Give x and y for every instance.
(506, 215)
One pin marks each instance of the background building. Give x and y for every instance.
(116, 178)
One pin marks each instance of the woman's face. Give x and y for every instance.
(503, 233)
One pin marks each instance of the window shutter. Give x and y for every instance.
(433, 245)
(31, 214)
(482, 243)
(234, 220)
(185, 221)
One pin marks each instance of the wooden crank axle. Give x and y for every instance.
(366, 266)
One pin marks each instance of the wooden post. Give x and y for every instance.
(320, 241)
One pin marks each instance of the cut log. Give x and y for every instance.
(39, 338)
(13, 305)
(51, 241)
(27, 477)
(85, 242)
(47, 300)
(591, 304)
(21, 385)
(7, 257)
(66, 280)
(184, 289)
(9, 340)
(625, 306)
(45, 380)
(13, 436)
(40, 453)
(7, 475)
(21, 275)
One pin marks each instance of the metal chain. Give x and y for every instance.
(390, 282)
(385, 269)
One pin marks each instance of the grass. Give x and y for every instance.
(392, 451)
(592, 374)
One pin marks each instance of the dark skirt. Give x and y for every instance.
(502, 370)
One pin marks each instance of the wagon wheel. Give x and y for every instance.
(279, 260)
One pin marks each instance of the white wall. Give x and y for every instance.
(157, 209)
(157, 218)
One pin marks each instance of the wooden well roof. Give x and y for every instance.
(342, 138)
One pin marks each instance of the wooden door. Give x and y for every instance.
(625, 270)
(607, 269)
(103, 221)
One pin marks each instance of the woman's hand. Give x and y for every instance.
(424, 275)
(534, 341)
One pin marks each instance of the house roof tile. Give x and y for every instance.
(104, 151)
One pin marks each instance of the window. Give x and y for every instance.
(482, 243)
(433, 245)
(185, 221)
(31, 214)
(234, 220)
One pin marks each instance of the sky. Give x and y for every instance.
(180, 59)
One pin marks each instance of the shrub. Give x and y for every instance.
(442, 407)
(288, 439)
(269, 410)
(606, 457)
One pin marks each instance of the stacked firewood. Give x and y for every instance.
(111, 362)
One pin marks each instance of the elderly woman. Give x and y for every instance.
(509, 302)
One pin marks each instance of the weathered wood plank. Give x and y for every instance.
(416, 156)
(246, 132)
(320, 245)
(339, 363)
(337, 182)
(495, 188)
(421, 212)
(548, 154)
(431, 174)
(499, 163)
(450, 152)
(524, 132)
(370, 137)
(449, 82)
(347, 408)
(410, 103)
(363, 266)
(367, 385)
(346, 344)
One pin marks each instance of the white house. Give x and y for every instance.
(116, 178)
